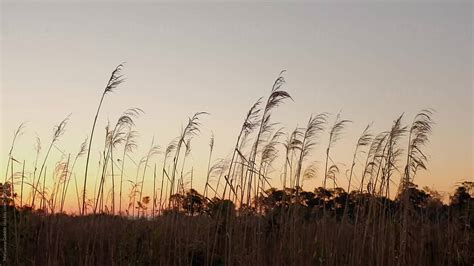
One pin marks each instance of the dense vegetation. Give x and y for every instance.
(238, 218)
(324, 227)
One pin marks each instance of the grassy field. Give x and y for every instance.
(324, 228)
(238, 218)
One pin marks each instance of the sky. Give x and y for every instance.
(370, 61)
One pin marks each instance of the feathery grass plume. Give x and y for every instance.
(191, 130)
(377, 160)
(132, 195)
(308, 140)
(82, 151)
(218, 167)
(377, 150)
(61, 172)
(119, 135)
(382, 160)
(43, 193)
(187, 151)
(171, 147)
(268, 155)
(374, 153)
(392, 155)
(154, 150)
(251, 121)
(139, 165)
(114, 137)
(369, 166)
(18, 132)
(12, 183)
(364, 140)
(292, 144)
(105, 155)
(332, 174)
(37, 147)
(123, 126)
(277, 96)
(419, 133)
(310, 171)
(420, 130)
(116, 78)
(270, 150)
(334, 135)
(168, 151)
(221, 167)
(129, 146)
(57, 133)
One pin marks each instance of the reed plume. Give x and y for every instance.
(57, 133)
(334, 135)
(191, 130)
(277, 97)
(308, 140)
(116, 78)
(420, 130)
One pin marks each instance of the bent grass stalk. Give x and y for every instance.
(114, 80)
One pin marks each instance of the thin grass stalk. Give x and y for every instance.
(363, 141)
(80, 153)
(290, 145)
(43, 198)
(22, 181)
(152, 151)
(276, 97)
(16, 134)
(419, 132)
(334, 136)
(37, 147)
(135, 185)
(58, 132)
(181, 179)
(100, 192)
(314, 128)
(116, 137)
(154, 193)
(11, 178)
(114, 80)
(161, 194)
(129, 146)
(191, 129)
(65, 182)
(211, 147)
(169, 149)
(251, 121)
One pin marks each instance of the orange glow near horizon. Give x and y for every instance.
(371, 63)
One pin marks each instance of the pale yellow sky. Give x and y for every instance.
(372, 61)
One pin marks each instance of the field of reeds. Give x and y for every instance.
(239, 217)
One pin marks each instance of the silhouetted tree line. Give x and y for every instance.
(335, 203)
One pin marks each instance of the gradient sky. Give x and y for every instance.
(372, 61)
